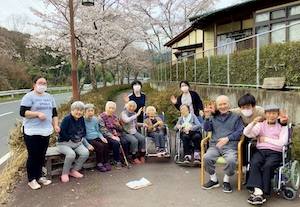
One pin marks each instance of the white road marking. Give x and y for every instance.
(5, 157)
(6, 113)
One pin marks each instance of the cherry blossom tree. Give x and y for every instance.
(102, 32)
(161, 20)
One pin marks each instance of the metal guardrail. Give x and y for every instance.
(12, 93)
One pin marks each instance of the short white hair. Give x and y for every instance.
(150, 107)
(129, 103)
(110, 102)
(87, 106)
(222, 97)
(77, 105)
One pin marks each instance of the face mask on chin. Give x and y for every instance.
(184, 89)
(247, 113)
(136, 88)
(41, 89)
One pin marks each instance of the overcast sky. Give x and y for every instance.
(21, 7)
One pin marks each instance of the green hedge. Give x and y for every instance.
(275, 60)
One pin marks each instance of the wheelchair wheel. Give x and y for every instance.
(289, 193)
(176, 158)
(295, 175)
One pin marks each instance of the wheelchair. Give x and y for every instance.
(150, 145)
(179, 155)
(286, 178)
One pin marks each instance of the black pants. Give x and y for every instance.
(195, 137)
(101, 149)
(262, 167)
(36, 147)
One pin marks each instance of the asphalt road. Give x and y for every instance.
(9, 116)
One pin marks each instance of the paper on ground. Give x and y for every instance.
(138, 183)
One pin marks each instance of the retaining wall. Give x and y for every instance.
(285, 99)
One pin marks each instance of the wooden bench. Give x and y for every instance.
(54, 161)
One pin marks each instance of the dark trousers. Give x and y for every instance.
(116, 147)
(101, 149)
(195, 137)
(262, 167)
(36, 147)
(159, 138)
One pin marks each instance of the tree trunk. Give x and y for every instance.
(103, 74)
(93, 76)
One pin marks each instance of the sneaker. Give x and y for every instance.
(162, 149)
(107, 166)
(64, 178)
(34, 185)
(101, 168)
(197, 155)
(210, 185)
(75, 174)
(227, 187)
(258, 200)
(197, 162)
(250, 199)
(44, 181)
(143, 160)
(118, 165)
(187, 160)
(137, 161)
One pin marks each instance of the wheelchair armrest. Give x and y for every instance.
(287, 144)
(240, 143)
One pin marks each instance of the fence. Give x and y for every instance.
(12, 93)
(244, 62)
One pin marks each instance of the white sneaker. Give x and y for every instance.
(34, 185)
(44, 181)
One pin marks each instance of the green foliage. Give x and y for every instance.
(296, 143)
(275, 60)
(13, 76)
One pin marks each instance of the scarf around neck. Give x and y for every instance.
(187, 120)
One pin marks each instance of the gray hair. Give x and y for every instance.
(185, 105)
(77, 105)
(110, 102)
(87, 106)
(150, 107)
(129, 103)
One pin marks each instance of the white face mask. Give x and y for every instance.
(247, 113)
(184, 88)
(137, 88)
(41, 89)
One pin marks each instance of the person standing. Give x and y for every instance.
(138, 97)
(39, 111)
(189, 98)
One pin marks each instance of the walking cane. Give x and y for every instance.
(124, 156)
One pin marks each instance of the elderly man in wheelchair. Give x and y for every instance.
(272, 137)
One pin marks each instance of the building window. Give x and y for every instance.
(295, 10)
(294, 31)
(263, 38)
(184, 55)
(276, 19)
(262, 17)
(280, 34)
(278, 14)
